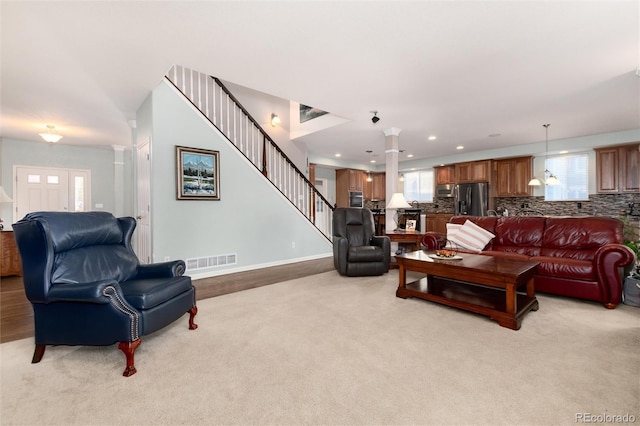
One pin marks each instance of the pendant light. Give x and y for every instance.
(549, 178)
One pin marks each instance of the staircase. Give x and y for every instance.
(223, 110)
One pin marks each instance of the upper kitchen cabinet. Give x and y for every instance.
(473, 171)
(512, 177)
(348, 180)
(445, 175)
(375, 190)
(618, 168)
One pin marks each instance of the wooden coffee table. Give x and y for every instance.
(486, 285)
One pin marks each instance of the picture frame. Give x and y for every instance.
(197, 174)
(410, 226)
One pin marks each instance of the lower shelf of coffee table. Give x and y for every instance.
(476, 298)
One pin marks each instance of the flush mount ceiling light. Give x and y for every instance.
(375, 117)
(51, 136)
(275, 120)
(549, 178)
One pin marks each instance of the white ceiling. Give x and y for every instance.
(460, 70)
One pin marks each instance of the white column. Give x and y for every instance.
(391, 137)
(118, 180)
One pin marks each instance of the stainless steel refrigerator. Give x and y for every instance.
(471, 199)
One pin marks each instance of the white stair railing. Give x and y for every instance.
(223, 110)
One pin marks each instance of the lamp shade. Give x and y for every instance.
(535, 182)
(398, 202)
(4, 198)
(51, 136)
(552, 180)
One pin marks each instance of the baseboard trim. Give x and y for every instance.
(232, 282)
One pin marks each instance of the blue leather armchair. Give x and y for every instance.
(87, 286)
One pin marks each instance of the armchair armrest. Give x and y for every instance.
(92, 292)
(340, 249)
(612, 262)
(384, 243)
(434, 240)
(174, 268)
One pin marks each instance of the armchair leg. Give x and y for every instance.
(38, 354)
(192, 313)
(129, 348)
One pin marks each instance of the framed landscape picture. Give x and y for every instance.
(197, 174)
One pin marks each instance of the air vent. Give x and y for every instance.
(211, 261)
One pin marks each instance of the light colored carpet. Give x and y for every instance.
(332, 350)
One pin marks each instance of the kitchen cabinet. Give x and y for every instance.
(473, 171)
(512, 176)
(618, 169)
(437, 222)
(445, 175)
(348, 180)
(376, 189)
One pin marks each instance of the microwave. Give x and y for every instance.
(356, 199)
(444, 191)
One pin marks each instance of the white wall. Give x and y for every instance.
(251, 219)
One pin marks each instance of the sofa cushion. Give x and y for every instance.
(69, 231)
(521, 235)
(471, 236)
(150, 292)
(565, 267)
(579, 237)
(94, 263)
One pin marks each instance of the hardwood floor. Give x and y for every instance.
(16, 315)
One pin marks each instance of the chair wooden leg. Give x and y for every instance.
(192, 313)
(38, 353)
(129, 348)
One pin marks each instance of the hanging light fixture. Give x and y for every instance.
(51, 136)
(549, 178)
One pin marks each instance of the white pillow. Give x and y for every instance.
(452, 229)
(471, 236)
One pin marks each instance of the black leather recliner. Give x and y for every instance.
(87, 286)
(357, 251)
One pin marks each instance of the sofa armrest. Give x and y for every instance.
(433, 240)
(175, 268)
(612, 262)
(92, 292)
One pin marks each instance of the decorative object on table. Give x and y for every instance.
(397, 202)
(197, 174)
(4, 198)
(410, 226)
(448, 251)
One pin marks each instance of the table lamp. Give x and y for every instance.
(397, 202)
(4, 198)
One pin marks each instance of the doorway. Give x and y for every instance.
(50, 189)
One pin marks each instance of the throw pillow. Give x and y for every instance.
(452, 229)
(471, 236)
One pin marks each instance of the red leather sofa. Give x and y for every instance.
(581, 257)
